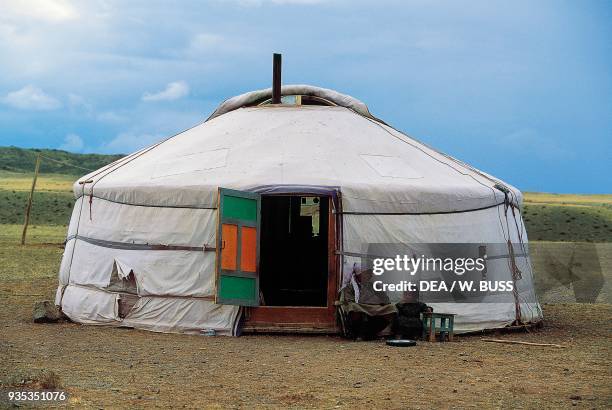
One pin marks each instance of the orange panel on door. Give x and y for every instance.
(248, 256)
(229, 246)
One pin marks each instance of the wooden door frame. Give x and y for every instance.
(304, 319)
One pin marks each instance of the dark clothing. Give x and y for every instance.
(409, 324)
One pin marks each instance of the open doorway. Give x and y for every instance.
(276, 257)
(294, 258)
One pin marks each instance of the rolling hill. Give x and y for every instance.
(14, 159)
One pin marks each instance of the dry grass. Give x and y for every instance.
(37, 380)
(577, 199)
(16, 181)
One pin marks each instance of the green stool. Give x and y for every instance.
(441, 323)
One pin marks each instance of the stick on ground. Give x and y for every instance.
(518, 342)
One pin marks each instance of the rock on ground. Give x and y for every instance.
(46, 312)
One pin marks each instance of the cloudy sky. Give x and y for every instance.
(522, 90)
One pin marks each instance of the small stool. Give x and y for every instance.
(430, 327)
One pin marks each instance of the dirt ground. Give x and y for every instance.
(109, 367)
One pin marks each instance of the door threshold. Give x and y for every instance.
(303, 328)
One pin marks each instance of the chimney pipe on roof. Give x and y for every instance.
(276, 78)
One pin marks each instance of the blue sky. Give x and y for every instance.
(522, 90)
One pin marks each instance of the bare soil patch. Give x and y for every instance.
(109, 367)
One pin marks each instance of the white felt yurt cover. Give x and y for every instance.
(394, 190)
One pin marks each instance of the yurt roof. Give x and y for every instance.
(267, 148)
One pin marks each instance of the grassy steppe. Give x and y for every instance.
(568, 217)
(53, 198)
(40, 259)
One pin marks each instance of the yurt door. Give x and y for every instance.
(297, 265)
(237, 262)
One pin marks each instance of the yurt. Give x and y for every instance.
(256, 219)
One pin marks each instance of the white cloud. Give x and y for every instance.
(31, 98)
(79, 104)
(126, 143)
(173, 91)
(72, 143)
(110, 116)
(52, 11)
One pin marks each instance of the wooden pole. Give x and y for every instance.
(518, 342)
(29, 206)
(276, 78)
